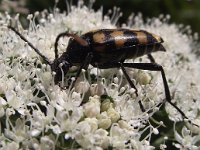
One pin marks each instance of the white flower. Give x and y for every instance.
(142, 145)
(97, 89)
(113, 114)
(12, 145)
(18, 133)
(56, 129)
(104, 121)
(143, 78)
(106, 104)
(35, 132)
(83, 132)
(101, 138)
(93, 114)
(47, 142)
(82, 85)
(82, 18)
(186, 140)
(93, 123)
(119, 136)
(92, 108)
(2, 104)
(124, 124)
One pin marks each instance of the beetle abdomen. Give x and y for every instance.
(119, 44)
(120, 38)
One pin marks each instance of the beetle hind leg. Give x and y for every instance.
(150, 67)
(157, 67)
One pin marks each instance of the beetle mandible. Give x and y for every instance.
(107, 48)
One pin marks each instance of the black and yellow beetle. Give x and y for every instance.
(107, 48)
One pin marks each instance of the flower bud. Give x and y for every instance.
(82, 87)
(124, 125)
(105, 105)
(93, 123)
(97, 89)
(104, 121)
(143, 78)
(92, 108)
(113, 114)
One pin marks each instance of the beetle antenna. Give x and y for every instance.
(78, 39)
(46, 60)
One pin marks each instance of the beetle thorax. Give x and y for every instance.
(76, 52)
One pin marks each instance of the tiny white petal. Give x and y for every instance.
(35, 133)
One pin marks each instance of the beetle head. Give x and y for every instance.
(60, 66)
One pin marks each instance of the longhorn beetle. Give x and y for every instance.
(107, 48)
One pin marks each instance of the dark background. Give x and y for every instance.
(185, 12)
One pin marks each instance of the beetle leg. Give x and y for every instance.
(132, 85)
(145, 66)
(84, 65)
(150, 67)
(128, 78)
(150, 57)
(117, 65)
(157, 67)
(78, 39)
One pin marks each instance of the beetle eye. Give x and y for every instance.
(70, 40)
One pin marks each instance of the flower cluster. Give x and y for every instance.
(97, 113)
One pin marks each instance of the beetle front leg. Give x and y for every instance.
(85, 65)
